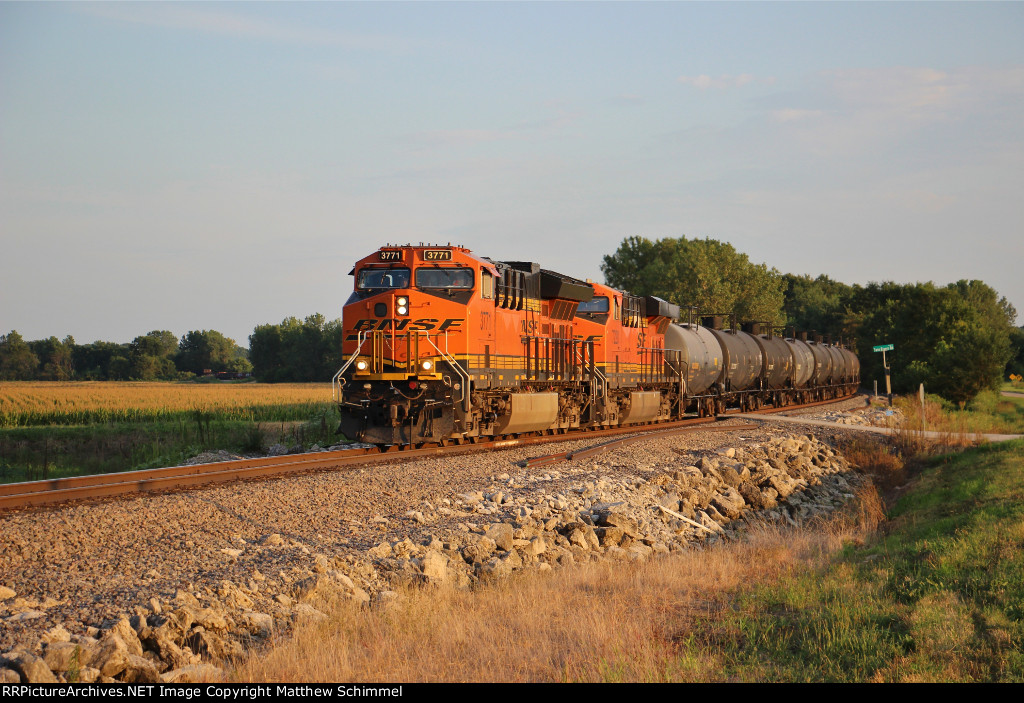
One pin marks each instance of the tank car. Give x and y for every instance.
(442, 345)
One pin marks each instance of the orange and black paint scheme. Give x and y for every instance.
(442, 345)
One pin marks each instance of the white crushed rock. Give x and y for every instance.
(245, 560)
(873, 416)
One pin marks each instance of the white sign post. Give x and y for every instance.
(920, 394)
(888, 387)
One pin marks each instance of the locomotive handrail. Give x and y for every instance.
(463, 374)
(338, 382)
(682, 381)
(601, 380)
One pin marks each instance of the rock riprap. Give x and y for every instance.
(220, 570)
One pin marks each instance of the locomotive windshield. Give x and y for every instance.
(444, 278)
(596, 304)
(383, 278)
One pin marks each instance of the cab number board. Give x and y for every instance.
(390, 255)
(437, 255)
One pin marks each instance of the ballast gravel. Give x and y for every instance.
(84, 565)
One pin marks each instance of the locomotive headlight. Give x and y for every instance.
(402, 300)
(402, 310)
(361, 365)
(402, 305)
(427, 365)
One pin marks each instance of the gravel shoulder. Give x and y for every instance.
(81, 565)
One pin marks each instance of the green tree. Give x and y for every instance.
(92, 361)
(307, 350)
(240, 361)
(954, 339)
(56, 358)
(705, 273)
(151, 356)
(265, 353)
(17, 360)
(1016, 364)
(204, 350)
(819, 304)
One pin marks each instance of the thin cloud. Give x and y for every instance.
(849, 111)
(924, 93)
(188, 17)
(558, 122)
(795, 114)
(627, 100)
(463, 137)
(723, 82)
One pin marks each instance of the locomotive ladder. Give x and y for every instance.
(463, 374)
(598, 380)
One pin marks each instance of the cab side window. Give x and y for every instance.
(617, 313)
(486, 284)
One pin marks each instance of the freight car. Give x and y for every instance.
(444, 346)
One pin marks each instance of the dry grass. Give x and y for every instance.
(45, 403)
(597, 622)
(988, 414)
(878, 458)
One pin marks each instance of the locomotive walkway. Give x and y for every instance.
(872, 428)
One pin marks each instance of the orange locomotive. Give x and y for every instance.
(442, 345)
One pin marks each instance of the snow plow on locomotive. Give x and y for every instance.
(444, 346)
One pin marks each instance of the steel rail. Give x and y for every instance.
(46, 492)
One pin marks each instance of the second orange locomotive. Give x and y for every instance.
(443, 345)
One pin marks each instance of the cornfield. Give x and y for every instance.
(26, 404)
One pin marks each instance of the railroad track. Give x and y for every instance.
(30, 494)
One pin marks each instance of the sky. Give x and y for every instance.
(188, 166)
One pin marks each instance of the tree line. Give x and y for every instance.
(297, 351)
(957, 339)
(158, 355)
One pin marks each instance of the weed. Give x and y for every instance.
(74, 671)
(878, 458)
(253, 442)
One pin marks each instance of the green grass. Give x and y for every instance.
(938, 597)
(989, 412)
(1005, 411)
(36, 453)
(282, 412)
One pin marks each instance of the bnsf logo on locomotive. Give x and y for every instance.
(424, 324)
